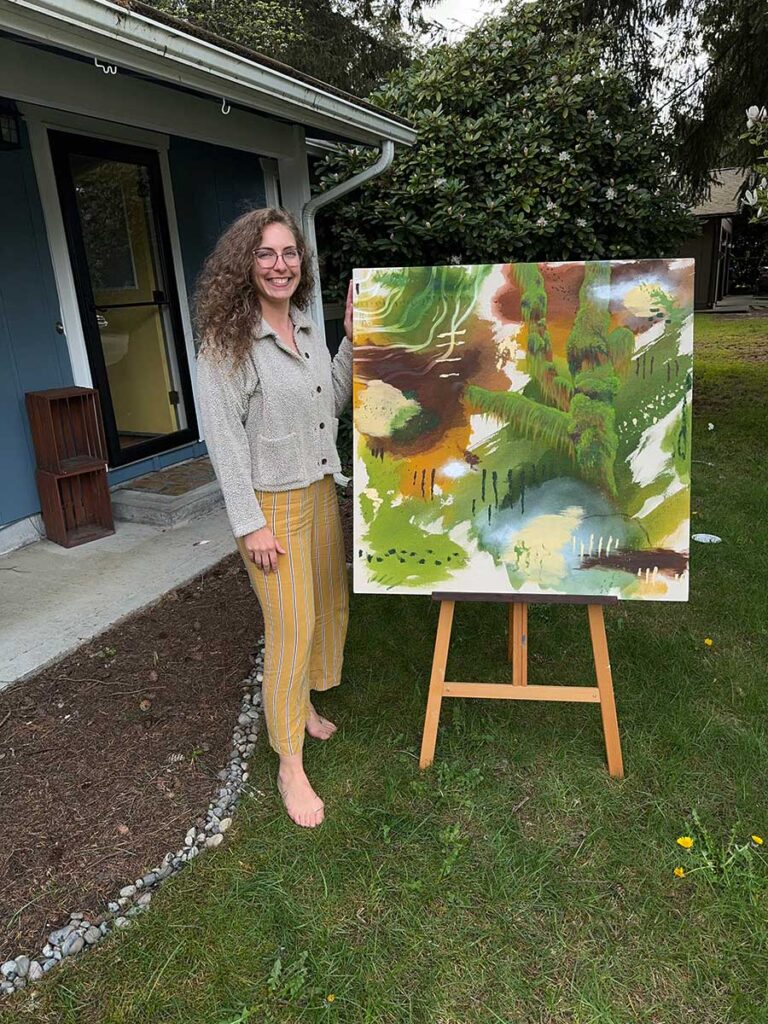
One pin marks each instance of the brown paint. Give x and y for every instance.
(668, 562)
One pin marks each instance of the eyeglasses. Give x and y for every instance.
(267, 258)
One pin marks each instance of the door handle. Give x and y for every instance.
(59, 327)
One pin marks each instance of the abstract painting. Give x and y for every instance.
(524, 428)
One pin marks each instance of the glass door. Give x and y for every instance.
(117, 231)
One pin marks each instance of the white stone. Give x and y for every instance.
(72, 945)
(213, 841)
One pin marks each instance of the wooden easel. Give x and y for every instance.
(519, 689)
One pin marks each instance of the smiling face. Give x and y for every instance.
(278, 283)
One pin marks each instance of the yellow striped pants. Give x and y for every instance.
(305, 605)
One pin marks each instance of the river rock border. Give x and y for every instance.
(80, 933)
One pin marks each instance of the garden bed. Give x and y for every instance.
(108, 756)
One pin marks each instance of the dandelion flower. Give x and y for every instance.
(685, 841)
(757, 840)
(679, 872)
(708, 641)
(330, 997)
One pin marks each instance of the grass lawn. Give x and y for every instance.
(514, 882)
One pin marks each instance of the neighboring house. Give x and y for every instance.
(128, 141)
(712, 248)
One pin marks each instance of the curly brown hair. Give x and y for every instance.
(226, 304)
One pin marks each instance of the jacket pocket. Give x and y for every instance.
(278, 460)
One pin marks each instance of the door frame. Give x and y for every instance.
(40, 120)
(63, 144)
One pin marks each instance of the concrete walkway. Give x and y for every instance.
(53, 598)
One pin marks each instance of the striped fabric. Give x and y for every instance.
(305, 605)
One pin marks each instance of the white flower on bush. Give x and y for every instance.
(631, 188)
(542, 222)
(591, 115)
(756, 114)
(610, 193)
(576, 79)
(563, 156)
(580, 222)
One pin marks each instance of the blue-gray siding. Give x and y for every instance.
(32, 355)
(212, 185)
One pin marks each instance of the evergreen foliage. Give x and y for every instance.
(707, 57)
(529, 148)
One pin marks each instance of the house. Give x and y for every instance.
(128, 141)
(712, 248)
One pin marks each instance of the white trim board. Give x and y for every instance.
(21, 533)
(30, 75)
(119, 36)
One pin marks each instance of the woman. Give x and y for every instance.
(270, 398)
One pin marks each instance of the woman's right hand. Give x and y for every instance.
(263, 547)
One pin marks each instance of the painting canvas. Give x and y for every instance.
(524, 428)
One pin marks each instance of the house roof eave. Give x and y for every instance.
(124, 35)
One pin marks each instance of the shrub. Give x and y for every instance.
(529, 148)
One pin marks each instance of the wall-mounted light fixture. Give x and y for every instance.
(10, 136)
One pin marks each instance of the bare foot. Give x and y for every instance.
(302, 803)
(319, 728)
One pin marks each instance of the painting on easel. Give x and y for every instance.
(524, 428)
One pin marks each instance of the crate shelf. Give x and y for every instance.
(66, 424)
(68, 436)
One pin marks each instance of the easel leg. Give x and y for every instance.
(436, 684)
(605, 686)
(519, 632)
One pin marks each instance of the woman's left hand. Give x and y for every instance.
(348, 312)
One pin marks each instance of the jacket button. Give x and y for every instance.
(319, 389)
(306, 355)
(323, 461)
(322, 425)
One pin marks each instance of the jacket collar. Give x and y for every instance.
(301, 322)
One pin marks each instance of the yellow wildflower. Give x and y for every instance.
(679, 872)
(685, 841)
(757, 840)
(708, 641)
(330, 997)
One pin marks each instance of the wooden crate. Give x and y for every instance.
(67, 430)
(68, 436)
(76, 506)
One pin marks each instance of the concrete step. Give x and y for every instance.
(169, 497)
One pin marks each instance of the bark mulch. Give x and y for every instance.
(108, 756)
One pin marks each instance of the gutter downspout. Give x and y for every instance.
(384, 161)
